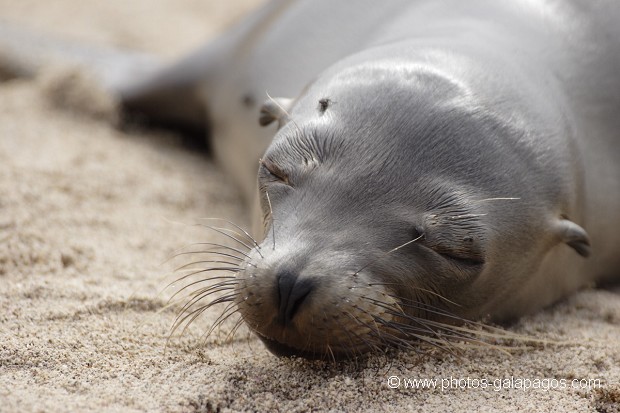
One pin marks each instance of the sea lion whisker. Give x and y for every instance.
(283, 109)
(469, 343)
(384, 337)
(223, 277)
(394, 324)
(209, 252)
(497, 199)
(354, 350)
(202, 293)
(444, 313)
(472, 341)
(371, 284)
(211, 287)
(197, 312)
(192, 316)
(331, 353)
(387, 339)
(401, 314)
(372, 345)
(427, 306)
(445, 336)
(200, 271)
(246, 233)
(223, 232)
(191, 309)
(348, 333)
(438, 343)
(238, 236)
(193, 293)
(470, 335)
(184, 266)
(273, 219)
(193, 271)
(465, 216)
(230, 337)
(211, 244)
(430, 309)
(235, 328)
(226, 313)
(388, 252)
(497, 334)
(251, 323)
(188, 272)
(182, 300)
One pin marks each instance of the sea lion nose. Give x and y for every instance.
(293, 291)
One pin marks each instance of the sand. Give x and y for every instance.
(89, 214)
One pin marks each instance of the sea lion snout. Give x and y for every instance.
(309, 301)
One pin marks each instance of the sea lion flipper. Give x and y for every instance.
(574, 236)
(140, 83)
(171, 97)
(25, 53)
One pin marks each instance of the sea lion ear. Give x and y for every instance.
(274, 109)
(574, 236)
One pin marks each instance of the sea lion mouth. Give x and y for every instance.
(283, 350)
(342, 320)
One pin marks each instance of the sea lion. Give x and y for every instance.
(434, 161)
(474, 143)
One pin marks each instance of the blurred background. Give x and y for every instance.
(164, 27)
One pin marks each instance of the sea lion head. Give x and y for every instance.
(386, 213)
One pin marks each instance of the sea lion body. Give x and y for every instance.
(489, 130)
(438, 161)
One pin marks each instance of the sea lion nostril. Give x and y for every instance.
(292, 293)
